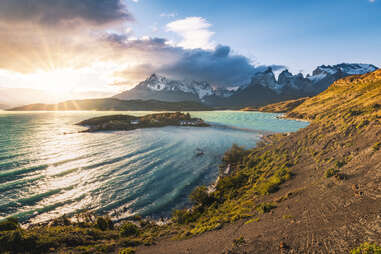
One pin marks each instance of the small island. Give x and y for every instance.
(127, 122)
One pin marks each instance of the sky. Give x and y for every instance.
(94, 48)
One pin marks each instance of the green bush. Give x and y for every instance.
(104, 223)
(265, 208)
(377, 146)
(331, 172)
(367, 248)
(128, 229)
(185, 216)
(201, 197)
(127, 251)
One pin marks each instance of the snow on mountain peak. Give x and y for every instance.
(160, 83)
(349, 69)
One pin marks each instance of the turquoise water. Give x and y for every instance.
(48, 169)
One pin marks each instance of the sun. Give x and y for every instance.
(58, 82)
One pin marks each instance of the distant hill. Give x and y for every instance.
(280, 107)
(3, 106)
(111, 104)
(16, 97)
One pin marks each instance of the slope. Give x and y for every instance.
(314, 191)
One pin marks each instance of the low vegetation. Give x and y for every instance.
(280, 107)
(367, 248)
(127, 122)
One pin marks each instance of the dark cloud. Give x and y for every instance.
(219, 67)
(63, 12)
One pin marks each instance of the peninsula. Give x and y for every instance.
(128, 122)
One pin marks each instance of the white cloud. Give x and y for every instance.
(372, 1)
(194, 31)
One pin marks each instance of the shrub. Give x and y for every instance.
(271, 185)
(239, 241)
(9, 224)
(265, 207)
(185, 216)
(330, 172)
(340, 164)
(377, 146)
(127, 251)
(128, 229)
(104, 223)
(201, 196)
(367, 248)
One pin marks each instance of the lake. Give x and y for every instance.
(48, 169)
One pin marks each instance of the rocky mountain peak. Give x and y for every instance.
(344, 68)
(265, 79)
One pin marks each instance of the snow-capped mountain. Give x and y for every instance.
(321, 78)
(264, 88)
(161, 88)
(349, 69)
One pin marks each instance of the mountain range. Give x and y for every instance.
(263, 89)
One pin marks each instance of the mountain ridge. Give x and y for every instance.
(263, 89)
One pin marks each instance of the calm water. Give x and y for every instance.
(45, 173)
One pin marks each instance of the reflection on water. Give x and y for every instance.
(45, 173)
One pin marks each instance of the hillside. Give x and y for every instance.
(317, 190)
(3, 106)
(280, 107)
(110, 104)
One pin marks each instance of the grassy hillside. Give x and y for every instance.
(280, 107)
(313, 191)
(110, 104)
(353, 98)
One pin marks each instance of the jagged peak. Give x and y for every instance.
(269, 70)
(286, 73)
(155, 76)
(347, 68)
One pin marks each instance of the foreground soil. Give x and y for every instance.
(333, 201)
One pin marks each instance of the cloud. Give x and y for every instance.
(194, 32)
(63, 12)
(38, 36)
(45, 34)
(220, 66)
